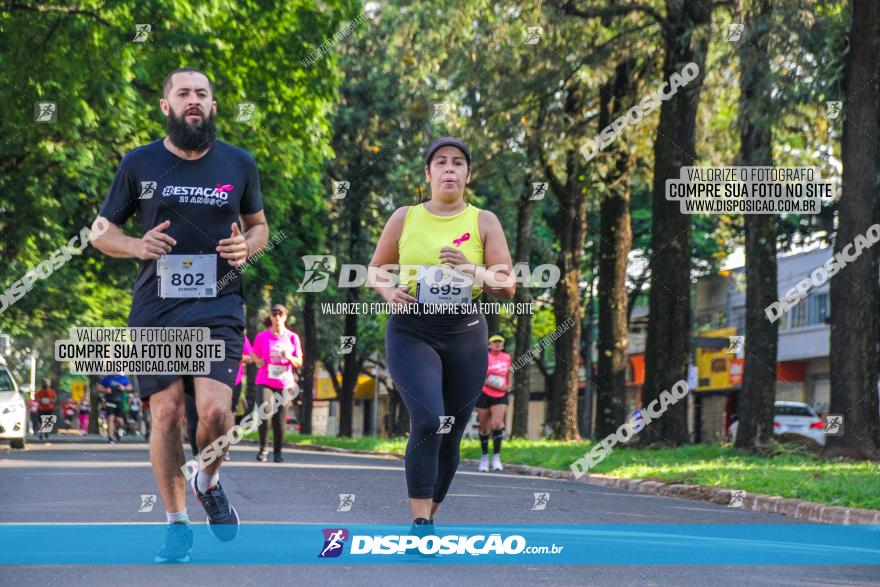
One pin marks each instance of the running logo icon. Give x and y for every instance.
(318, 270)
(832, 109)
(147, 503)
(541, 500)
(245, 112)
(148, 188)
(539, 190)
(736, 344)
(446, 423)
(340, 189)
(834, 425)
(334, 539)
(141, 32)
(47, 424)
(736, 498)
(346, 344)
(346, 500)
(735, 32)
(533, 34)
(45, 112)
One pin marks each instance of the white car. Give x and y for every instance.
(13, 410)
(793, 418)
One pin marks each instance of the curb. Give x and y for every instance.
(755, 502)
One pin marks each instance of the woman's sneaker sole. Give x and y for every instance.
(185, 559)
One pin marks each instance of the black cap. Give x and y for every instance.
(278, 308)
(447, 142)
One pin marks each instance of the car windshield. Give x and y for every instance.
(6, 381)
(793, 411)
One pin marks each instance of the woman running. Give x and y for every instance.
(492, 405)
(277, 352)
(438, 361)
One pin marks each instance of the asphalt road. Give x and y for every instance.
(72, 483)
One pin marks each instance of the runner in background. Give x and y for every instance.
(69, 409)
(277, 352)
(34, 406)
(46, 398)
(492, 405)
(112, 387)
(84, 409)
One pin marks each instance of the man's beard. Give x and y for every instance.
(187, 137)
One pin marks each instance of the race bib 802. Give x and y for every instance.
(187, 276)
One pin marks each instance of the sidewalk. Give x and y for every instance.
(61, 438)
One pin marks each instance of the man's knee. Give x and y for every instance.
(214, 415)
(165, 414)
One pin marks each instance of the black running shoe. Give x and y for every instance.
(178, 544)
(222, 517)
(278, 458)
(261, 456)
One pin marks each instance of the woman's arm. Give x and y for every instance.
(387, 253)
(497, 277)
(295, 358)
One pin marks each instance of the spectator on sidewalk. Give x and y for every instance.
(46, 398)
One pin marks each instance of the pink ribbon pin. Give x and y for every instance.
(461, 239)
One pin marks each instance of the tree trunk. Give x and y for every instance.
(585, 416)
(310, 357)
(566, 306)
(351, 362)
(615, 242)
(755, 408)
(522, 377)
(685, 38)
(855, 289)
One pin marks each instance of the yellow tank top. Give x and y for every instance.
(424, 234)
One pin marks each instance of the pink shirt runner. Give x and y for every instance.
(499, 367)
(270, 349)
(246, 350)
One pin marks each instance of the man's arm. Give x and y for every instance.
(114, 243)
(256, 231)
(239, 246)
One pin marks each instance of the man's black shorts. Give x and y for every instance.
(224, 371)
(487, 402)
(113, 407)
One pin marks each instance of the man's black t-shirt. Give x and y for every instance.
(202, 199)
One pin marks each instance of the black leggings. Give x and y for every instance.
(438, 364)
(279, 419)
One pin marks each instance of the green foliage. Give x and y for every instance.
(107, 89)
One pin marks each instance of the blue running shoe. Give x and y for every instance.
(178, 544)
